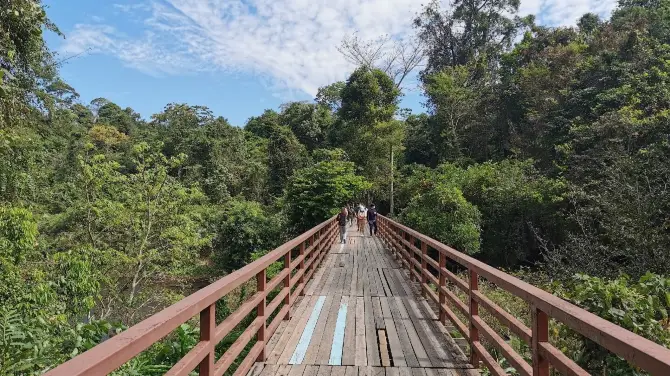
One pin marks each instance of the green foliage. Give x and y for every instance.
(315, 193)
(444, 214)
(244, 228)
(516, 209)
(641, 307)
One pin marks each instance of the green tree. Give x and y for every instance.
(317, 192)
(244, 228)
(309, 122)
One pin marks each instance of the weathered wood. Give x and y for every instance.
(349, 350)
(324, 371)
(407, 350)
(301, 320)
(361, 353)
(329, 330)
(313, 349)
(297, 370)
(394, 343)
(278, 349)
(377, 312)
(372, 348)
(383, 348)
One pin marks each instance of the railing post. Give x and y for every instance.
(474, 311)
(207, 327)
(260, 312)
(540, 322)
(302, 268)
(287, 283)
(443, 284)
(424, 266)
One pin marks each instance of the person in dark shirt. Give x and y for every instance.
(342, 221)
(372, 220)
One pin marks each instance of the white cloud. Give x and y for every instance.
(290, 44)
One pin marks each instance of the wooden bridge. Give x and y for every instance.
(375, 306)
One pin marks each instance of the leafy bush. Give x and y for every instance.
(242, 229)
(444, 214)
(641, 307)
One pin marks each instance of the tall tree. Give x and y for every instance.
(469, 31)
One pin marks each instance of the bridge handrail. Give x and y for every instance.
(114, 352)
(638, 350)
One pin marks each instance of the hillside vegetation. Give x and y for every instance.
(543, 151)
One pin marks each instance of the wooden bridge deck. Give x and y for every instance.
(360, 316)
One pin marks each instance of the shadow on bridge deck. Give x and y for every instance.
(361, 316)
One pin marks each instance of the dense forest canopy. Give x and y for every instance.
(544, 151)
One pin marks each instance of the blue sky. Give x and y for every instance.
(237, 57)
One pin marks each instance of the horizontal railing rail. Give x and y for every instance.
(402, 241)
(116, 351)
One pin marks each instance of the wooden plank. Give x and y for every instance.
(292, 342)
(351, 371)
(310, 370)
(372, 348)
(337, 348)
(434, 347)
(360, 282)
(383, 348)
(361, 353)
(338, 371)
(270, 370)
(404, 283)
(386, 308)
(324, 371)
(396, 289)
(417, 346)
(405, 371)
(297, 370)
(385, 284)
(329, 330)
(316, 278)
(364, 274)
(418, 372)
(401, 308)
(313, 348)
(394, 344)
(392, 371)
(256, 369)
(287, 333)
(407, 350)
(283, 370)
(378, 371)
(377, 312)
(349, 351)
(275, 338)
(354, 273)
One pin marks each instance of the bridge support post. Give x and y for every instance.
(474, 312)
(287, 283)
(424, 266)
(302, 268)
(443, 284)
(261, 281)
(207, 327)
(540, 322)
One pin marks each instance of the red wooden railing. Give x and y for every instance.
(402, 241)
(111, 354)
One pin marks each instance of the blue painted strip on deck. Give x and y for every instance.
(300, 351)
(338, 339)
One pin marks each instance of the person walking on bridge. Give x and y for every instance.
(372, 220)
(361, 219)
(342, 221)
